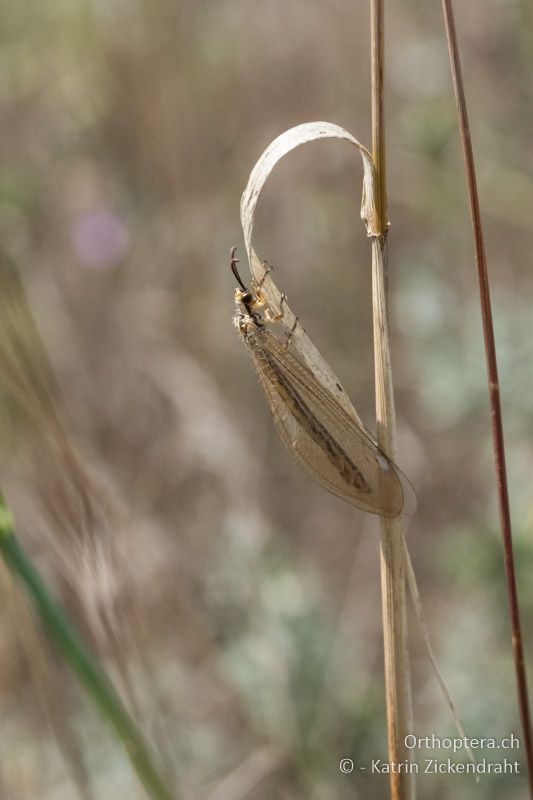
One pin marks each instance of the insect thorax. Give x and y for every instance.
(246, 324)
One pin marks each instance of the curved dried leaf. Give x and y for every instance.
(284, 144)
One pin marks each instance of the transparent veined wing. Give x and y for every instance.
(322, 438)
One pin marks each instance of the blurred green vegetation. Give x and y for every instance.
(236, 605)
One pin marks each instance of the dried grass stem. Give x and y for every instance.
(396, 654)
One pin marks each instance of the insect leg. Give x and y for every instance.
(268, 268)
(289, 337)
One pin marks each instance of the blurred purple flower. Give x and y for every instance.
(100, 239)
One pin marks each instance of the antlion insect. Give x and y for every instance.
(324, 440)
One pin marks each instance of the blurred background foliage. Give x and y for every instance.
(237, 605)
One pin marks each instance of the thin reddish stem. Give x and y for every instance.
(494, 389)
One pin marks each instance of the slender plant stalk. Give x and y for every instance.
(377, 56)
(76, 654)
(493, 386)
(397, 675)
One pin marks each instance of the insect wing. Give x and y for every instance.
(322, 438)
